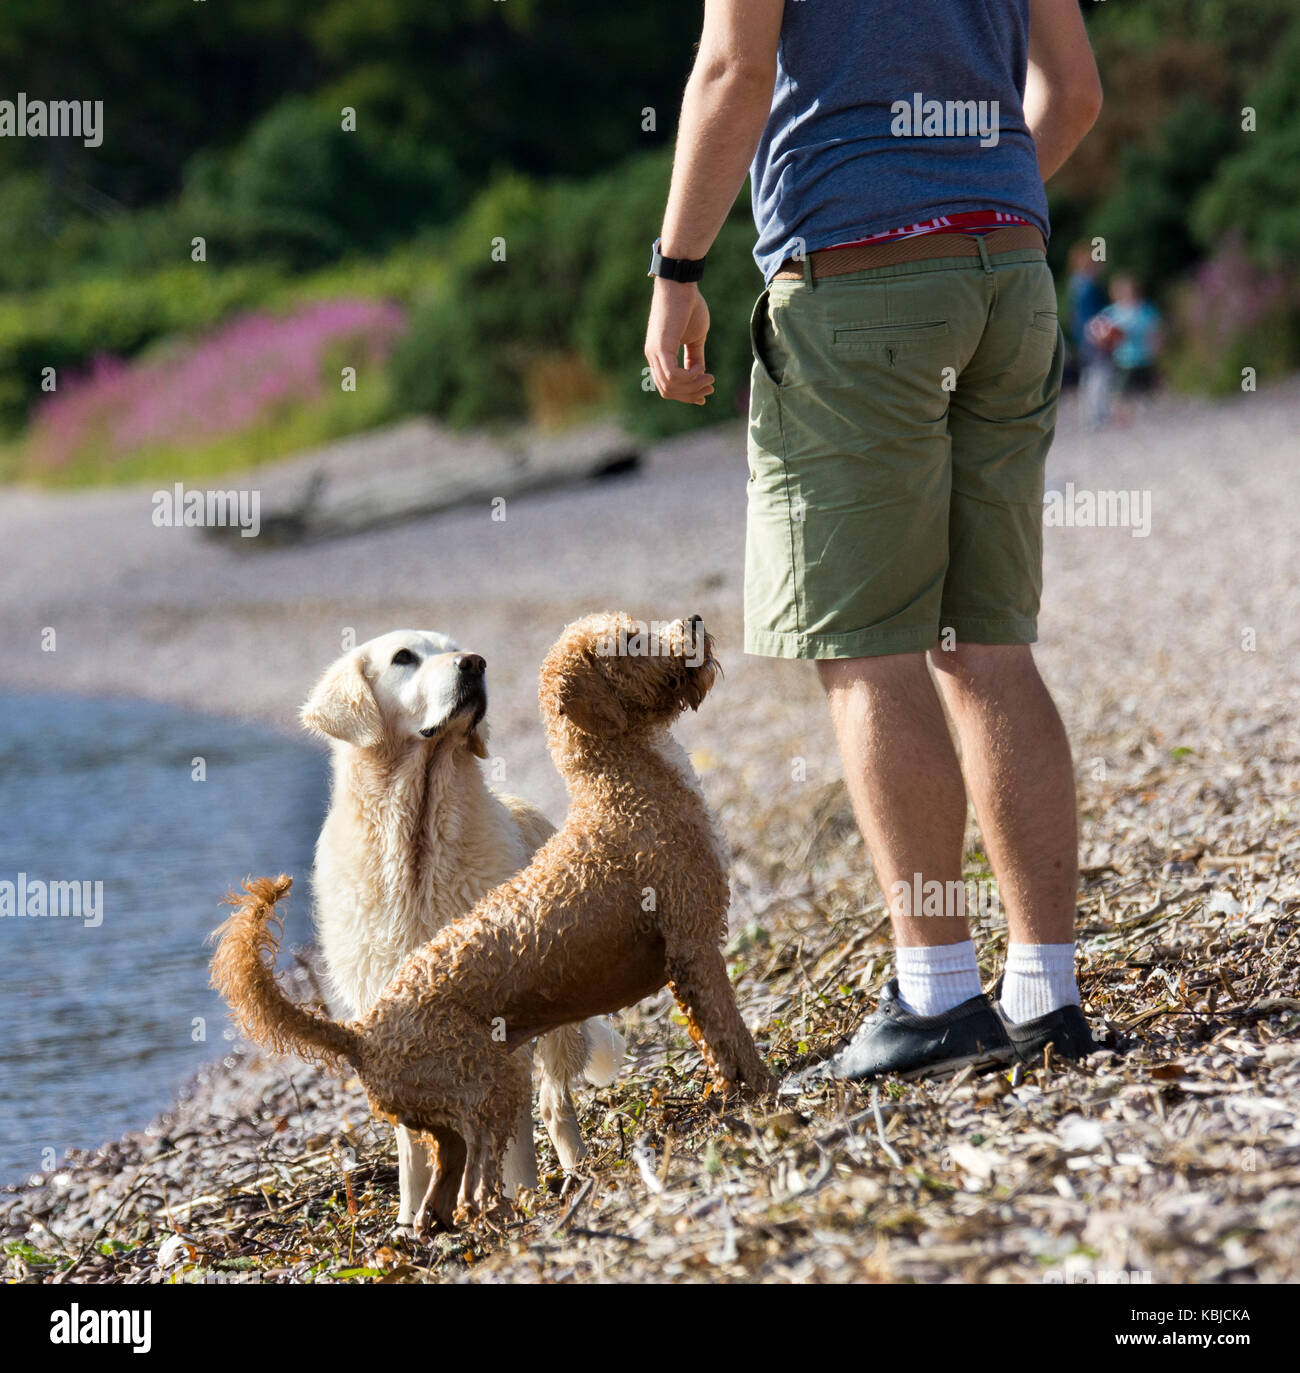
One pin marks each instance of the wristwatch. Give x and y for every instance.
(675, 268)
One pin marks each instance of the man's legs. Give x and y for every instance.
(903, 778)
(1016, 761)
(906, 787)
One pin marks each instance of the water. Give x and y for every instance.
(100, 1024)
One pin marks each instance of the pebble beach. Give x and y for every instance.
(1171, 643)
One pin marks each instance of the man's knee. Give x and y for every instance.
(977, 664)
(885, 670)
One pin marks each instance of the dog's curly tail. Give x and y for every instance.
(241, 973)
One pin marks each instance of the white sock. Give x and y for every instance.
(1039, 978)
(931, 981)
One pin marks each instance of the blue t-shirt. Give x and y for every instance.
(890, 112)
(1139, 324)
(1086, 299)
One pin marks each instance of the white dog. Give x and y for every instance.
(413, 839)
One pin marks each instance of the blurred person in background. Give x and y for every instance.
(1134, 330)
(1086, 299)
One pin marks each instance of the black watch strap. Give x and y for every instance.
(675, 268)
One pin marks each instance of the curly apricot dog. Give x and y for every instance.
(629, 895)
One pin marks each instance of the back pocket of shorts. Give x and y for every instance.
(874, 337)
(1045, 320)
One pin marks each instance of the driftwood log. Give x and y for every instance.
(326, 500)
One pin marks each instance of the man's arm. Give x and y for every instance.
(1062, 89)
(726, 105)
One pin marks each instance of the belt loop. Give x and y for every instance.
(807, 264)
(984, 254)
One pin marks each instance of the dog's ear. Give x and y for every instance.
(342, 705)
(586, 699)
(478, 740)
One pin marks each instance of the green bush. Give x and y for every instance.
(1229, 315)
(572, 282)
(1144, 221)
(67, 325)
(303, 191)
(610, 319)
(39, 239)
(1257, 189)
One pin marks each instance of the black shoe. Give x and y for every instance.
(1065, 1029)
(894, 1041)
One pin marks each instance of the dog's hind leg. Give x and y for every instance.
(563, 1053)
(414, 1168)
(447, 1154)
(520, 1166)
(697, 975)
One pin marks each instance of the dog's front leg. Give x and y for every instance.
(447, 1157)
(697, 975)
(414, 1171)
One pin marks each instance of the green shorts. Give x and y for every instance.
(899, 424)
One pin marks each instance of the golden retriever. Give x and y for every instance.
(414, 837)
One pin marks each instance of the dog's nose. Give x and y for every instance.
(471, 664)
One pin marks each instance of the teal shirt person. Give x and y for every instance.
(1139, 321)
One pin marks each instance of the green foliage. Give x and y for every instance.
(1144, 222)
(234, 108)
(478, 120)
(31, 226)
(65, 326)
(573, 282)
(1244, 35)
(1230, 315)
(610, 318)
(1257, 190)
(293, 430)
(302, 191)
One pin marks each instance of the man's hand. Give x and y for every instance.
(679, 320)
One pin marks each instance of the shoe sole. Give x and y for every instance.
(1033, 1058)
(952, 1066)
(938, 1071)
